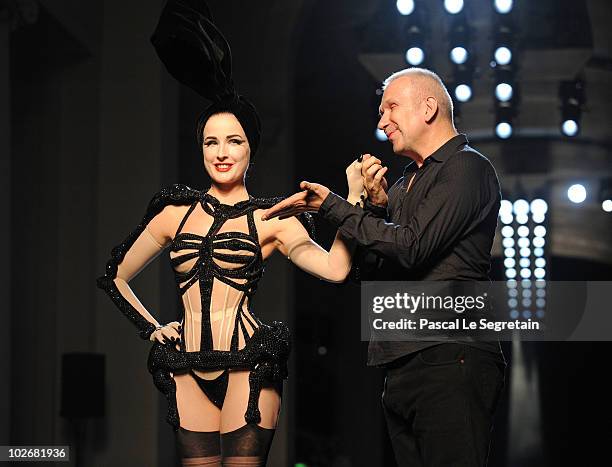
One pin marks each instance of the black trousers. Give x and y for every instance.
(439, 405)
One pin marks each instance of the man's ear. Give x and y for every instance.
(431, 108)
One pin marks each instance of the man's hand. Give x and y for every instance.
(373, 178)
(308, 200)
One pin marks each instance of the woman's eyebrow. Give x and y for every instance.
(233, 136)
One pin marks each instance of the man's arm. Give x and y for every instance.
(464, 187)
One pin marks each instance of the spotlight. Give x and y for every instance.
(539, 207)
(503, 130)
(503, 92)
(525, 252)
(504, 116)
(539, 231)
(539, 273)
(538, 252)
(523, 242)
(572, 98)
(577, 193)
(405, 7)
(521, 207)
(459, 55)
(415, 56)
(606, 205)
(503, 55)
(380, 135)
(510, 273)
(539, 242)
(509, 252)
(508, 242)
(505, 208)
(503, 6)
(463, 93)
(523, 231)
(509, 263)
(522, 219)
(540, 262)
(453, 6)
(507, 231)
(525, 273)
(524, 262)
(569, 127)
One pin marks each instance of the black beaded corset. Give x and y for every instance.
(219, 267)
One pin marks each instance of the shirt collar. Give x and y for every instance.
(442, 153)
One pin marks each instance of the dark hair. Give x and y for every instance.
(244, 112)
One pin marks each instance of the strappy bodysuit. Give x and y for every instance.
(216, 273)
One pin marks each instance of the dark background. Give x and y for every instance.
(91, 126)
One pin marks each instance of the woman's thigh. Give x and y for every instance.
(196, 411)
(237, 399)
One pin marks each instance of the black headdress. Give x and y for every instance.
(195, 52)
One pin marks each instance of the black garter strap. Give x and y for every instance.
(265, 354)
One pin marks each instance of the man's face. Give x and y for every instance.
(400, 117)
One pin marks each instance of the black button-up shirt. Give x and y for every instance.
(442, 228)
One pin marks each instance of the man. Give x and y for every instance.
(436, 223)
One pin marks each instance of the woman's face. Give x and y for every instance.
(226, 149)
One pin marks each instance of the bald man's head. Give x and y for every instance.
(423, 83)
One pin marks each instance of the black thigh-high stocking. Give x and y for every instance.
(246, 446)
(198, 448)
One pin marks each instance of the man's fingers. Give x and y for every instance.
(379, 175)
(373, 170)
(296, 199)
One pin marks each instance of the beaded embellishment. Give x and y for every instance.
(266, 351)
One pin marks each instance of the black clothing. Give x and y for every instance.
(441, 229)
(267, 347)
(195, 52)
(430, 425)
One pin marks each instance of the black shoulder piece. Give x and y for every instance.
(305, 218)
(173, 195)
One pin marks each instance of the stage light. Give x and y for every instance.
(540, 293)
(507, 219)
(503, 92)
(512, 293)
(527, 293)
(572, 98)
(380, 135)
(507, 231)
(512, 303)
(523, 231)
(514, 314)
(540, 263)
(508, 242)
(539, 242)
(526, 314)
(525, 252)
(539, 206)
(539, 273)
(523, 242)
(511, 284)
(510, 273)
(459, 55)
(522, 219)
(509, 252)
(505, 207)
(524, 262)
(503, 6)
(606, 205)
(509, 263)
(540, 284)
(538, 252)
(503, 130)
(526, 302)
(540, 303)
(539, 231)
(525, 273)
(415, 56)
(538, 218)
(405, 7)
(525, 283)
(463, 93)
(569, 127)
(503, 55)
(520, 206)
(453, 6)
(577, 193)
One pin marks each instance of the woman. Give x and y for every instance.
(220, 367)
(218, 244)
